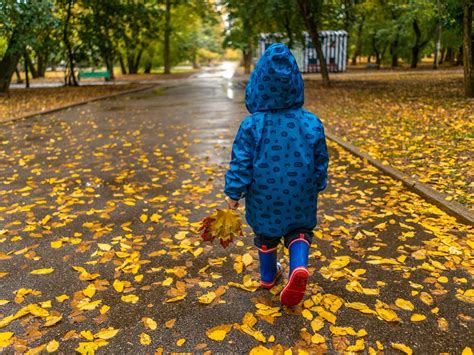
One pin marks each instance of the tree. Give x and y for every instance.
(166, 40)
(285, 20)
(245, 20)
(70, 78)
(468, 53)
(20, 22)
(311, 13)
(100, 24)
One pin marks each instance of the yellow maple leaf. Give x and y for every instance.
(143, 218)
(402, 347)
(404, 304)
(5, 339)
(89, 291)
(168, 281)
(180, 342)
(317, 324)
(62, 298)
(155, 218)
(207, 298)
(385, 312)
(317, 339)
(416, 317)
(261, 350)
(170, 324)
(176, 299)
(56, 244)
(118, 285)
(52, 346)
(219, 332)
(104, 309)
(307, 314)
(42, 271)
(426, 298)
(52, 320)
(149, 323)
(358, 346)
(130, 298)
(361, 307)
(106, 333)
(340, 262)
(145, 339)
(247, 259)
(87, 334)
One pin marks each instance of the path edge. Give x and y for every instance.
(79, 103)
(430, 194)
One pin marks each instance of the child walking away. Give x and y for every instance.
(279, 165)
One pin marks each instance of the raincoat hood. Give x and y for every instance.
(276, 82)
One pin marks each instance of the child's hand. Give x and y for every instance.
(233, 205)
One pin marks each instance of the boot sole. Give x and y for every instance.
(294, 291)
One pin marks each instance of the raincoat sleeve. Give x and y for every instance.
(321, 161)
(239, 176)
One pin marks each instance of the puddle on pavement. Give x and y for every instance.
(230, 91)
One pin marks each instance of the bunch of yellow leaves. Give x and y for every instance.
(222, 224)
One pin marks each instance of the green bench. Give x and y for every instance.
(94, 74)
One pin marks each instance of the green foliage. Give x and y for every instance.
(25, 21)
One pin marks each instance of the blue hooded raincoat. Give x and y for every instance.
(279, 157)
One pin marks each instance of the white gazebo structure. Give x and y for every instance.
(334, 45)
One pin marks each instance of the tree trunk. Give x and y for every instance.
(459, 56)
(166, 46)
(394, 49)
(138, 59)
(41, 64)
(109, 64)
(123, 68)
(195, 61)
(442, 55)
(311, 20)
(9, 62)
(130, 62)
(358, 49)
(378, 59)
(248, 56)
(436, 61)
(468, 54)
(148, 67)
(450, 56)
(415, 52)
(27, 77)
(71, 76)
(18, 76)
(31, 67)
(289, 31)
(418, 46)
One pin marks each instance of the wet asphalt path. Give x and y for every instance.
(75, 184)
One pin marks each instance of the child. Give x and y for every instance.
(279, 165)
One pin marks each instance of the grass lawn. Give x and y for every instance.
(417, 121)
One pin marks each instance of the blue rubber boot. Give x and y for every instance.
(270, 268)
(293, 292)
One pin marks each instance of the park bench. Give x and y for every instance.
(94, 74)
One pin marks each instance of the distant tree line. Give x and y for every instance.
(136, 35)
(383, 31)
